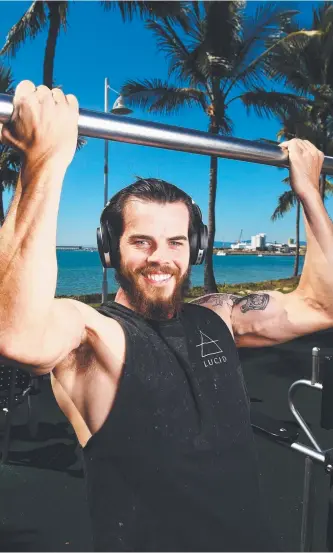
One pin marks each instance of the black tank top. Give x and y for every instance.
(174, 467)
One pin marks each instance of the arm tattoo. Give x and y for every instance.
(255, 302)
(218, 300)
(252, 301)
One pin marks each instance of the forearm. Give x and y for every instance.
(317, 277)
(28, 266)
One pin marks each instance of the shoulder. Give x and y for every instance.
(240, 313)
(221, 304)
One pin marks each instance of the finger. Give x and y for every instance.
(284, 145)
(1, 125)
(73, 102)
(23, 89)
(43, 93)
(58, 96)
(314, 150)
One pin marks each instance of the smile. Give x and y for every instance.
(158, 278)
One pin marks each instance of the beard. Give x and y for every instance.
(153, 304)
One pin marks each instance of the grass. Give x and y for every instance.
(284, 285)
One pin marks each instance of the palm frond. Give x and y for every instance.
(286, 202)
(10, 162)
(296, 61)
(268, 24)
(6, 80)
(157, 96)
(168, 42)
(271, 103)
(265, 57)
(175, 11)
(63, 12)
(81, 142)
(29, 25)
(182, 62)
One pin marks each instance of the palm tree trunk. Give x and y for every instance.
(54, 17)
(322, 185)
(2, 213)
(298, 216)
(209, 279)
(322, 181)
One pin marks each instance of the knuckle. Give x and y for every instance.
(43, 90)
(57, 91)
(25, 84)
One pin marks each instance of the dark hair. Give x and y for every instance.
(149, 190)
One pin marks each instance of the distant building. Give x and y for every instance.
(239, 246)
(258, 242)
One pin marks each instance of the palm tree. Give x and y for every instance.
(39, 15)
(9, 158)
(286, 202)
(213, 61)
(53, 14)
(304, 64)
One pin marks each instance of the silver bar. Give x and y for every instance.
(315, 365)
(134, 131)
(309, 493)
(295, 412)
(305, 450)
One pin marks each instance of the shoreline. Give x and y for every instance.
(263, 253)
(284, 285)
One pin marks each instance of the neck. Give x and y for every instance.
(122, 299)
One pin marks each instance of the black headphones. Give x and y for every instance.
(108, 244)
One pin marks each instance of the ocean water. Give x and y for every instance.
(80, 272)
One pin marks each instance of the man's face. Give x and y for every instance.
(154, 252)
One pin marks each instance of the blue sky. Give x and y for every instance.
(98, 44)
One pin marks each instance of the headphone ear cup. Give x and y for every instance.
(193, 248)
(103, 246)
(204, 239)
(199, 240)
(202, 243)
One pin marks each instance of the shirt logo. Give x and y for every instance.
(210, 348)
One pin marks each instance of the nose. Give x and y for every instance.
(159, 254)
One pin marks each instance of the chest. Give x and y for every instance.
(184, 381)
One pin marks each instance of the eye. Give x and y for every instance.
(140, 242)
(175, 243)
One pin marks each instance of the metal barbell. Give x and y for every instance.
(94, 124)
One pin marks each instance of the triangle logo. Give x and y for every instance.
(208, 346)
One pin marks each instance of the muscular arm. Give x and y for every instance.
(267, 318)
(35, 329)
(270, 318)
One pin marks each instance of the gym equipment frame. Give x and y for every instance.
(276, 431)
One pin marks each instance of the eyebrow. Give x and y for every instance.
(146, 237)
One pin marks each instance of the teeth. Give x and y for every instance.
(159, 278)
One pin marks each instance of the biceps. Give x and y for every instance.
(285, 317)
(39, 353)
